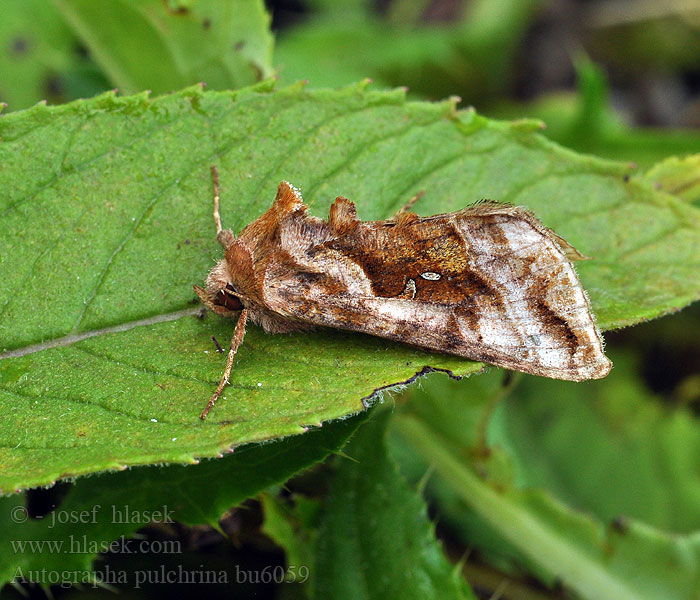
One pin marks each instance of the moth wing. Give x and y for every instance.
(489, 283)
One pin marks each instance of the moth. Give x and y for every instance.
(489, 283)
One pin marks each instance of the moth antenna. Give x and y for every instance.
(217, 216)
(225, 236)
(236, 339)
(406, 207)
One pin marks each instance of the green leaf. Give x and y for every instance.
(631, 562)
(290, 528)
(585, 484)
(106, 224)
(225, 44)
(679, 176)
(374, 539)
(99, 510)
(37, 51)
(641, 458)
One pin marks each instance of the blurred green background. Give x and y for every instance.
(617, 78)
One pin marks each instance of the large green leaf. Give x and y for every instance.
(632, 561)
(611, 448)
(98, 510)
(226, 44)
(593, 486)
(106, 224)
(374, 538)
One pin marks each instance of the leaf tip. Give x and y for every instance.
(266, 85)
(358, 86)
(452, 103)
(193, 93)
(527, 125)
(468, 119)
(295, 87)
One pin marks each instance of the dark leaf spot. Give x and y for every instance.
(175, 8)
(53, 85)
(19, 46)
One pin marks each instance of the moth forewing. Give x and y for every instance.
(489, 283)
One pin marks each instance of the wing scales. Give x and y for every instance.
(489, 283)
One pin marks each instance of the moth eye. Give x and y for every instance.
(228, 299)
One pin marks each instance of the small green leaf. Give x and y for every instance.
(288, 527)
(679, 176)
(374, 539)
(99, 510)
(225, 44)
(106, 224)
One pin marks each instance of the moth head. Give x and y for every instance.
(230, 284)
(220, 294)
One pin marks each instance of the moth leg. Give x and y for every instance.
(236, 339)
(225, 236)
(406, 207)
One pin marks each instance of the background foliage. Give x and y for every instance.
(536, 488)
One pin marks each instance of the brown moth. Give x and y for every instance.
(488, 282)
